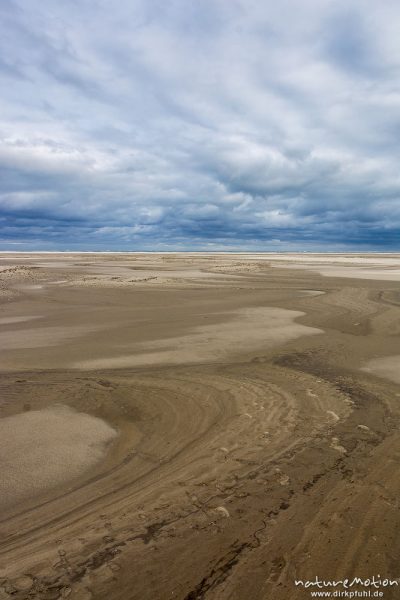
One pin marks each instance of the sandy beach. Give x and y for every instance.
(197, 426)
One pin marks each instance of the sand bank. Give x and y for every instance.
(246, 330)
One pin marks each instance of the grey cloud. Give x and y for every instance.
(185, 124)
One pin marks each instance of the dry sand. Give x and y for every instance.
(42, 449)
(372, 266)
(245, 330)
(388, 367)
(256, 402)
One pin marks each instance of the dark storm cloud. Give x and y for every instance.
(236, 124)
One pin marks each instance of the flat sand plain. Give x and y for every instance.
(197, 426)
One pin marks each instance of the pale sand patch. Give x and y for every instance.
(378, 273)
(312, 292)
(373, 259)
(247, 330)
(387, 367)
(40, 337)
(10, 320)
(383, 268)
(58, 282)
(42, 449)
(30, 286)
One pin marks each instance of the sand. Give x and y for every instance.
(197, 426)
(22, 319)
(39, 336)
(379, 267)
(387, 367)
(249, 329)
(41, 449)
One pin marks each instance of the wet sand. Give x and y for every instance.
(197, 426)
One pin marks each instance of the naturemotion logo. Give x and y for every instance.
(372, 587)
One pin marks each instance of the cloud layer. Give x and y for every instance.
(200, 124)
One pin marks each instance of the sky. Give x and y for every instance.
(200, 125)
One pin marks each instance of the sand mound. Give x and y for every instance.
(43, 448)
